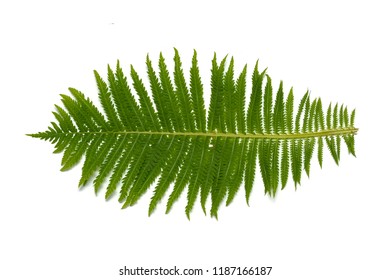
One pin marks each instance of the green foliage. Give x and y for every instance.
(165, 137)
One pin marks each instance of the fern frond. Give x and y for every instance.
(163, 134)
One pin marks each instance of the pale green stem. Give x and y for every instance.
(321, 133)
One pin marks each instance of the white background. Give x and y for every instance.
(335, 226)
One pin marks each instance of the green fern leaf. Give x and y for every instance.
(240, 100)
(250, 167)
(196, 89)
(284, 164)
(164, 135)
(241, 146)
